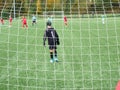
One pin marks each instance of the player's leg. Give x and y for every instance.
(10, 23)
(55, 58)
(2, 22)
(65, 22)
(103, 21)
(55, 51)
(26, 25)
(35, 22)
(32, 23)
(51, 53)
(23, 25)
(51, 56)
(55, 54)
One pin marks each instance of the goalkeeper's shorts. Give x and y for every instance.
(51, 47)
(34, 21)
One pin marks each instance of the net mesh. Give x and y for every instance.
(56, 15)
(89, 50)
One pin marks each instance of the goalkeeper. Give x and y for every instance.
(53, 41)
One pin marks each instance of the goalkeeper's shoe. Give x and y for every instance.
(56, 59)
(51, 60)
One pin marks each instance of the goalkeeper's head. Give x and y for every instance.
(49, 23)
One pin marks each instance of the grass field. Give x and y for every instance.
(89, 56)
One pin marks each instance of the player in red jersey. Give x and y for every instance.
(10, 20)
(2, 20)
(65, 20)
(24, 22)
(118, 85)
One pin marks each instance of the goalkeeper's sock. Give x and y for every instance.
(51, 55)
(55, 58)
(55, 53)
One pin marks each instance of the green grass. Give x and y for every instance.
(89, 55)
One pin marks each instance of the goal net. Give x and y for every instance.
(56, 15)
(89, 50)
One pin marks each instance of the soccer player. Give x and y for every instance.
(93, 14)
(2, 20)
(65, 20)
(33, 20)
(103, 18)
(53, 40)
(118, 85)
(10, 20)
(24, 22)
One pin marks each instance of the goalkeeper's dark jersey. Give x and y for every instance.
(52, 36)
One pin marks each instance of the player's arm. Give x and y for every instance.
(57, 38)
(44, 38)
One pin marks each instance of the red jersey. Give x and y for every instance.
(65, 19)
(10, 19)
(24, 21)
(118, 86)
